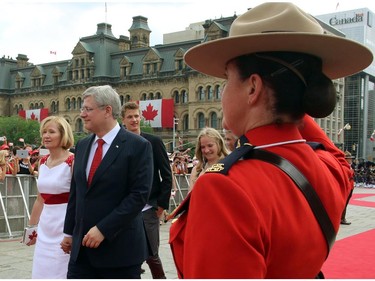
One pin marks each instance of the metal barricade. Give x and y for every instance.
(17, 197)
(181, 183)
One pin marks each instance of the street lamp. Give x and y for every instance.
(175, 122)
(346, 127)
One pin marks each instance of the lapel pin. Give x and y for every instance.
(116, 146)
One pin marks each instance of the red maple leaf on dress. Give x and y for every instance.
(33, 235)
(150, 113)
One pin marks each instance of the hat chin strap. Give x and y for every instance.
(287, 65)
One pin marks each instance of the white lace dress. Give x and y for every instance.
(50, 262)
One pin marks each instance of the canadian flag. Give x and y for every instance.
(158, 113)
(372, 137)
(34, 114)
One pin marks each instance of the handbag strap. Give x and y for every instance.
(307, 190)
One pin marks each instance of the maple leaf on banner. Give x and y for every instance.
(150, 113)
(33, 116)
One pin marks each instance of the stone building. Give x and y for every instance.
(137, 71)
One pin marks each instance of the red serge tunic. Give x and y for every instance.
(254, 222)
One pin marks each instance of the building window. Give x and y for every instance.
(53, 107)
(158, 96)
(213, 120)
(200, 93)
(79, 125)
(217, 92)
(68, 104)
(144, 97)
(180, 64)
(176, 97)
(201, 121)
(185, 97)
(209, 93)
(185, 122)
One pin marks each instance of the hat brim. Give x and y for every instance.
(341, 57)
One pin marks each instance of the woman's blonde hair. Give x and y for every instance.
(67, 139)
(216, 136)
(3, 154)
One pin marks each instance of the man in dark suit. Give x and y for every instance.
(161, 186)
(104, 228)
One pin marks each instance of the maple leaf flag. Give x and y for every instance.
(158, 113)
(34, 114)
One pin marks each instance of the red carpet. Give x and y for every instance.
(360, 200)
(353, 257)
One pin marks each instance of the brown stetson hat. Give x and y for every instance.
(272, 27)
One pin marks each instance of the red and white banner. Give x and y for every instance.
(158, 113)
(34, 114)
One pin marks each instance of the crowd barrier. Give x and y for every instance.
(18, 194)
(17, 197)
(181, 183)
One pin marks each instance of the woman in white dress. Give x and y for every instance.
(55, 172)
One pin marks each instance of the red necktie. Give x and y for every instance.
(96, 160)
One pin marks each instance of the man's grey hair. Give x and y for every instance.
(105, 95)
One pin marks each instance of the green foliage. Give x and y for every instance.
(15, 127)
(79, 135)
(145, 127)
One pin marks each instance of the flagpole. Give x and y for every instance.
(175, 122)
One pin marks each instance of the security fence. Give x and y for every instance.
(17, 197)
(18, 194)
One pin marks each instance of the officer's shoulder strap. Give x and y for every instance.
(243, 151)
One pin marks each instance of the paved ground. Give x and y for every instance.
(16, 258)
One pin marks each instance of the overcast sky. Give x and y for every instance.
(35, 28)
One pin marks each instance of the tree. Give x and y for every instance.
(15, 127)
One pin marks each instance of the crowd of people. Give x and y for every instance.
(15, 163)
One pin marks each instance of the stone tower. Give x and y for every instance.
(139, 33)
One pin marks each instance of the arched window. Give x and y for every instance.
(53, 107)
(122, 99)
(210, 93)
(74, 104)
(201, 121)
(217, 92)
(200, 93)
(79, 102)
(32, 106)
(127, 98)
(176, 97)
(158, 95)
(151, 96)
(185, 97)
(213, 120)
(68, 104)
(144, 97)
(185, 122)
(79, 125)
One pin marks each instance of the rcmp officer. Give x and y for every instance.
(248, 218)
